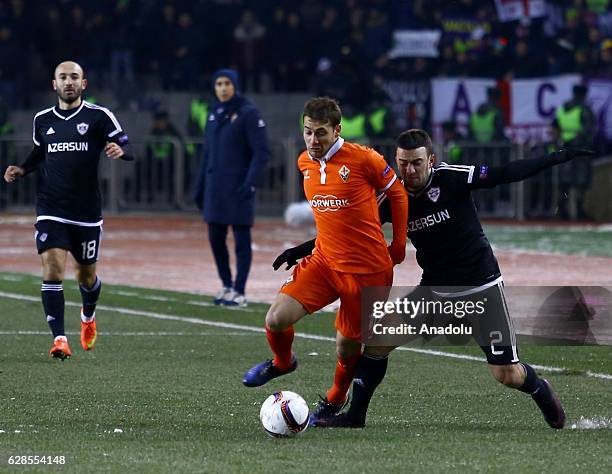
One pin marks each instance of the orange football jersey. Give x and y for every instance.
(341, 188)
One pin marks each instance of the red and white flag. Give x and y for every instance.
(510, 10)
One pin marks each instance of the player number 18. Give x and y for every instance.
(89, 249)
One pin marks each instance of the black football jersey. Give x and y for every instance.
(72, 141)
(444, 228)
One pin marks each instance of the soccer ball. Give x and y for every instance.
(284, 414)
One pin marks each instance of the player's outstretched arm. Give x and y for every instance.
(292, 255)
(13, 172)
(521, 169)
(398, 201)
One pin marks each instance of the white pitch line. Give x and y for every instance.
(140, 333)
(316, 337)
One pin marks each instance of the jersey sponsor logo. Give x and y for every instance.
(82, 128)
(428, 221)
(483, 171)
(50, 131)
(67, 146)
(324, 203)
(344, 173)
(433, 194)
(386, 171)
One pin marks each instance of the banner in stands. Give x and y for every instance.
(600, 100)
(510, 10)
(415, 44)
(532, 104)
(410, 101)
(456, 99)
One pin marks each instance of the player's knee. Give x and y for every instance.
(277, 319)
(346, 348)
(53, 271)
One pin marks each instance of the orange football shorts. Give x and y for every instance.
(315, 285)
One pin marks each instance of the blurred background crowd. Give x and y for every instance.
(334, 46)
(482, 75)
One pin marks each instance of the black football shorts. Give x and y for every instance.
(81, 241)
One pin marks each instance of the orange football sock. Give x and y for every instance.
(345, 371)
(280, 342)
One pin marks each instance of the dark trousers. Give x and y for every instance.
(217, 235)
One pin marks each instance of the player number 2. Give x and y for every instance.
(496, 338)
(89, 249)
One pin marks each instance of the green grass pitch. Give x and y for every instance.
(162, 392)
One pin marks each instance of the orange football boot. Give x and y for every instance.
(89, 334)
(60, 349)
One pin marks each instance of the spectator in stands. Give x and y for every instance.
(247, 50)
(236, 152)
(380, 119)
(155, 175)
(121, 52)
(452, 138)
(575, 123)
(199, 111)
(487, 121)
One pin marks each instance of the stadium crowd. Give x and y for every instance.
(280, 45)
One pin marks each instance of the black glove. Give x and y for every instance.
(245, 191)
(288, 256)
(292, 255)
(567, 154)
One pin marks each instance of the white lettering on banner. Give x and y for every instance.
(415, 43)
(327, 203)
(67, 146)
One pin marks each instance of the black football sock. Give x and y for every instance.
(541, 393)
(90, 297)
(52, 294)
(371, 371)
(533, 384)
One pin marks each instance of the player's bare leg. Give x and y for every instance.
(522, 377)
(90, 286)
(52, 295)
(282, 315)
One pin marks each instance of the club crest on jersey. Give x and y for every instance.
(344, 173)
(433, 194)
(82, 128)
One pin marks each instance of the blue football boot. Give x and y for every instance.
(261, 374)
